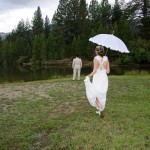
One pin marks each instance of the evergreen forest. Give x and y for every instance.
(73, 23)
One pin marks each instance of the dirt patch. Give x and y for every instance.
(28, 91)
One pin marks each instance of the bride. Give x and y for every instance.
(97, 90)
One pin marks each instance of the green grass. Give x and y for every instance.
(55, 115)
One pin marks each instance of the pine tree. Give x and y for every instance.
(11, 54)
(82, 17)
(61, 13)
(37, 46)
(117, 12)
(138, 12)
(47, 27)
(37, 22)
(28, 39)
(23, 39)
(94, 15)
(65, 19)
(59, 21)
(83, 26)
(146, 20)
(51, 47)
(0, 50)
(91, 46)
(71, 21)
(20, 30)
(75, 46)
(105, 13)
(43, 47)
(5, 52)
(60, 45)
(100, 29)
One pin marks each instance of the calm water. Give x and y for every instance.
(33, 73)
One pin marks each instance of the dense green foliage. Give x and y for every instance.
(73, 23)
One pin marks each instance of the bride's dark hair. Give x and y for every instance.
(100, 50)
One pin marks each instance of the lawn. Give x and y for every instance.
(55, 115)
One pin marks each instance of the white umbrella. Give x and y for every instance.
(110, 41)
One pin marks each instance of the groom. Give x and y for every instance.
(76, 65)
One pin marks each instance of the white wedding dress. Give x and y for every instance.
(98, 88)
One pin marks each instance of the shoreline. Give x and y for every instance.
(68, 62)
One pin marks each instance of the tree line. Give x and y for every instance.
(73, 23)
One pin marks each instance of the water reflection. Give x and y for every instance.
(130, 70)
(38, 73)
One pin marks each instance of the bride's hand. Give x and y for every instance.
(87, 77)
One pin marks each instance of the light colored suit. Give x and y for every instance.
(76, 65)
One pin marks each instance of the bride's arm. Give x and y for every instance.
(95, 64)
(108, 68)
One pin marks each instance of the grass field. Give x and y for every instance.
(55, 115)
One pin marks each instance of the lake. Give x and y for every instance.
(15, 74)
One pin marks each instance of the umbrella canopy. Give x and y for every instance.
(110, 41)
